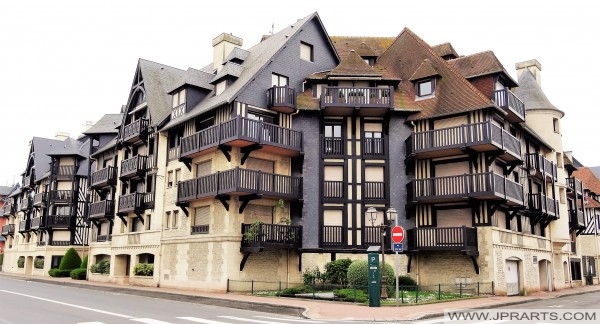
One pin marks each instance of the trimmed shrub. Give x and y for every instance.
(358, 273)
(350, 294)
(84, 262)
(78, 274)
(144, 269)
(312, 276)
(336, 271)
(21, 262)
(407, 283)
(70, 261)
(101, 267)
(59, 273)
(38, 263)
(1, 258)
(292, 291)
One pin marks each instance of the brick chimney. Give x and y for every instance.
(222, 46)
(533, 66)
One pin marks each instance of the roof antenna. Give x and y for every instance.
(273, 28)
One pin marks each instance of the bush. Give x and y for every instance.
(1, 259)
(407, 283)
(70, 261)
(101, 267)
(311, 276)
(21, 262)
(38, 263)
(144, 269)
(59, 273)
(336, 271)
(84, 262)
(78, 274)
(358, 274)
(350, 294)
(290, 292)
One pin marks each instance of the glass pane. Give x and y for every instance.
(425, 88)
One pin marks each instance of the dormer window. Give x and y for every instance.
(178, 98)
(220, 87)
(425, 87)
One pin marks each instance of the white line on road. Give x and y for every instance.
(149, 321)
(251, 320)
(439, 320)
(290, 319)
(90, 323)
(67, 304)
(201, 320)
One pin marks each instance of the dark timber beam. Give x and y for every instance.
(247, 150)
(223, 199)
(225, 149)
(246, 199)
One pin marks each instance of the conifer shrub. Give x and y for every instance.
(70, 261)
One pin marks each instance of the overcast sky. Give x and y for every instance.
(67, 62)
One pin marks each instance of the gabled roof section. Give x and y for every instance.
(159, 79)
(530, 92)
(196, 78)
(40, 148)
(453, 93)
(69, 147)
(590, 181)
(259, 56)
(596, 171)
(479, 64)
(108, 124)
(109, 145)
(354, 66)
(425, 70)
(5, 190)
(229, 69)
(364, 46)
(445, 51)
(237, 55)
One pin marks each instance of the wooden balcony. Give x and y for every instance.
(37, 223)
(136, 131)
(575, 186)
(333, 146)
(240, 182)
(26, 203)
(480, 137)
(367, 101)
(333, 190)
(373, 191)
(8, 229)
(514, 107)
(480, 186)
(28, 181)
(64, 171)
(576, 220)
(270, 237)
(8, 209)
(463, 239)
(544, 207)
(538, 166)
(61, 196)
(281, 99)
(242, 132)
(133, 203)
(58, 221)
(40, 199)
(104, 209)
(371, 236)
(333, 236)
(373, 147)
(134, 168)
(104, 177)
(25, 226)
(104, 238)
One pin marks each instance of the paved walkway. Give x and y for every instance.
(313, 309)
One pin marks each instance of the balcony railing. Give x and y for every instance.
(8, 229)
(28, 181)
(104, 177)
(37, 223)
(333, 236)
(242, 132)
(61, 196)
(39, 200)
(373, 147)
(575, 185)
(58, 221)
(511, 104)
(371, 235)
(281, 99)
(131, 203)
(63, 170)
(541, 167)
(271, 236)
(24, 226)
(462, 239)
(136, 131)
(104, 238)
(26, 203)
(480, 137)
(134, 167)
(102, 209)
(576, 219)
(240, 181)
(373, 101)
(481, 186)
(539, 203)
(333, 146)
(199, 229)
(374, 190)
(8, 209)
(333, 190)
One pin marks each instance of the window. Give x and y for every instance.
(306, 52)
(167, 220)
(333, 141)
(425, 87)
(201, 220)
(178, 98)
(373, 142)
(220, 87)
(279, 80)
(177, 176)
(265, 118)
(203, 168)
(575, 270)
(555, 125)
(175, 219)
(147, 222)
(170, 179)
(136, 224)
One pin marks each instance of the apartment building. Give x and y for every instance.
(589, 238)
(5, 208)
(305, 148)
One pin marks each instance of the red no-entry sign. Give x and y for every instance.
(397, 234)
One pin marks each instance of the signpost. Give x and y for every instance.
(397, 246)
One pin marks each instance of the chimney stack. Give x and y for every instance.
(87, 125)
(533, 66)
(61, 136)
(222, 46)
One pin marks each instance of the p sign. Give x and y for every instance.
(397, 234)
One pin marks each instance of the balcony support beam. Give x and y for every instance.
(138, 215)
(491, 156)
(123, 219)
(475, 265)
(492, 207)
(244, 259)
(185, 210)
(187, 162)
(246, 199)
(510, 167)
(225, 149)
(472, 157)
(247, 150)
(410, 256)
(223, 199)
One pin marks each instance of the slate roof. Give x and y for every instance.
(108, 124)
(258, 57)
(159, 80)
(229, 69)
(44, 148)
(237, 54)
(364, 46)
(453, 93)
(5, 190)
(479, 64)
(197, 78)
(111, 144)
(530, 92)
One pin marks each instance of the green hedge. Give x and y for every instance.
(78, 274)
(21, 262)
(358, 273)
(144, 269)
(59, 273)
(101, 267)
(70, 261)
(38, 263)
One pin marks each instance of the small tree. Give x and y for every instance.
(358, 275)
(336, 271)
(70, 261)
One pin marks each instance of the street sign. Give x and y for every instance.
(398, 247)
(397, 234)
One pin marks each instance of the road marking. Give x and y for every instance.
(290, 319)
(439, 320)
(251, 320)
(67, 304)
(201, 320)
(149, 321)
(90, 323)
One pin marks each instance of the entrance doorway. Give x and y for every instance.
(512, 277)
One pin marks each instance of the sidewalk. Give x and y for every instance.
(308, 308)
